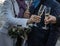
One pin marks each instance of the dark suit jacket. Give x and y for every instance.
(58, 21)
(55, 9)
(53, 33)
(58, 1)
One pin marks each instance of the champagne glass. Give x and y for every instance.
(47, 13)
(24, 42)
(28, 2)
(40, 12)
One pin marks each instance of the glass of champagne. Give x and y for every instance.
(28, 2)
(24, 42)
(40, 12)
(47, 13)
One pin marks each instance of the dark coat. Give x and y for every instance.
(39, 36)
(58, 21)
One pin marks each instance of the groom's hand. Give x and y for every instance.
(50, 19)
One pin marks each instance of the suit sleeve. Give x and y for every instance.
(58, 15)
(58, 21)
(7, 11)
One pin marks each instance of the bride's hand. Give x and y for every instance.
(34, 18)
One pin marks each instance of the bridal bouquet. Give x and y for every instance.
(14, 31)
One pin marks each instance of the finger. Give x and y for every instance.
(37, 18)
(37, 21)
(47, 21)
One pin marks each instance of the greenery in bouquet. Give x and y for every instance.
(14, 31)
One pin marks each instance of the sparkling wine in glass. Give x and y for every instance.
(40, 12)
(24, 42)
(47, 13)
(28, 2)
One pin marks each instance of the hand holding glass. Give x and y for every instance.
(47, 13)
